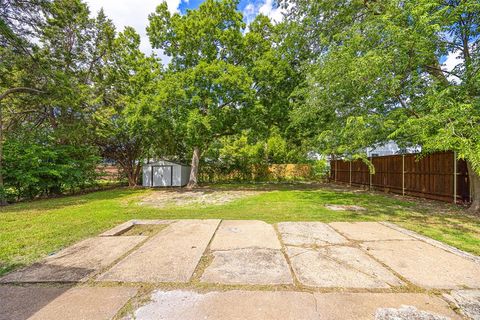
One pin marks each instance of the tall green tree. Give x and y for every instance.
(124, 84)
(206, 47)
(375, 74)
(50, 51)
(19, 24)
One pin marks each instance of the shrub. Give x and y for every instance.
(33, 168)
(320, 169)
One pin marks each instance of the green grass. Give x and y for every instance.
(32, 230)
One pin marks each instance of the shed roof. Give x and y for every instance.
(163, 161)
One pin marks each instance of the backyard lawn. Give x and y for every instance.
(32, 230)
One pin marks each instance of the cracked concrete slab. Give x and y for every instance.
(309, 234)
(339, 266)
(244, 305)
(468, 301)
(248, 266)
(365, 306)
(426, 265)
(368, 231)
(170, 256)
(241, 234)
(76, 262)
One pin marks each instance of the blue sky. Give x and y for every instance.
(254, 6)
(135, 13)
(191, 4)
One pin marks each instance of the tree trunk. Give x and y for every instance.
(132, 179)
(193, 181)
(131, 171)
(137, 173)
(132, 175)
(474, 180)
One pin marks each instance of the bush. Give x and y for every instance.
(320, 169)
(33, 168)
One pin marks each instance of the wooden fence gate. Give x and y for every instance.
(437, 176)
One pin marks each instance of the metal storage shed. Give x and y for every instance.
(165, 174)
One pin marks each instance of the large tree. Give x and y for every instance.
(124, 84)
(206, 47)
(49, 50)
(375, 74)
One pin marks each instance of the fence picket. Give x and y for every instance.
(433, 176)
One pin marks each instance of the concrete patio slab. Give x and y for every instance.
(118, 230)
(86, 303)
(368, 231)
(309, 234)
(468, 301)
(348, 259)
(426, 265)
(241, 234)
(151, 221)
(339, 266)
(369, 306)
(19, 303)
(77, 262)
(406, 313)
(433, 242)
(170, 256)
(245, 305)
(49, 303)
(248, 266)
(124, 227)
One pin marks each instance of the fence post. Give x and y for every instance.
(370, 173)
(403, 174)
(350, 173)
(336, 169)
(454, 177)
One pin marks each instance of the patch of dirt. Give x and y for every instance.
(337, 207)
(166, 198)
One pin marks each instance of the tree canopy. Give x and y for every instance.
(374, 74)
(332, 78)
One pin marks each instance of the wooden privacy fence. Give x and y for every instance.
(437, 176)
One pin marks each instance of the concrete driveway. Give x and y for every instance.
(212, 269)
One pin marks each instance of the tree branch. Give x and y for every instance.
(444, 71)
(19, 89)
(405, 106)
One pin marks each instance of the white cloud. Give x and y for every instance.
(274, 13)
(249, 14)
(453, 59)
(249, 9)
(132, 13)
(265, 7)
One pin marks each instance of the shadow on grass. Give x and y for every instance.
(66, 201)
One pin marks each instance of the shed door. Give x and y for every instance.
(162, 176)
